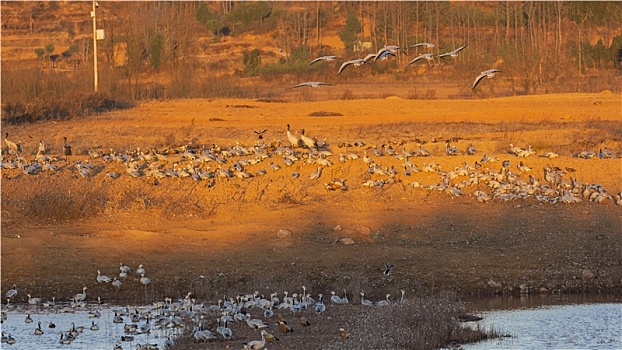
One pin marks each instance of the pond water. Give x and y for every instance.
(552, 323)
(109, 332)
(530, 322)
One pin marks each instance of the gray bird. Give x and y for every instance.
(485, 74)
(356, 63)
(324, 58)
(454, 53)
(427, 56)
(426, 45)
(309, 83)
(388, 268)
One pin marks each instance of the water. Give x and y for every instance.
(104, 338)
(579, 326)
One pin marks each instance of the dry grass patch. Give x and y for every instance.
(325, 114)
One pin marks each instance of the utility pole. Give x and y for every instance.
(95, 82)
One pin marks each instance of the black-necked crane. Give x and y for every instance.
(66, 150)
(293, 140)
(14, 148)
(309, 142)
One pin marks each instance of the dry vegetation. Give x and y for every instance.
(209, 237)
(217, 237)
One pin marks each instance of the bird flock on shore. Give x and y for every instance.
(392, 51)
(261, 315)
(485, 179)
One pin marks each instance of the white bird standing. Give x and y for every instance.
(309, 142)
(13, 147)
(80, 296)
(117, 283)
(485, 74)
(11, 293)
(293, 140)
(124, 268)
(145, 280)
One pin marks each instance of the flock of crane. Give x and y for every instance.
(253, 310)
(392, 50)
(486, 180)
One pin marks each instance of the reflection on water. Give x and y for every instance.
(537, 300)
(104, 338)
(584, 326)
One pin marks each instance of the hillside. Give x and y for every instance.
(171, 50)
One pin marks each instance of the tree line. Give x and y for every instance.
(542, 45)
